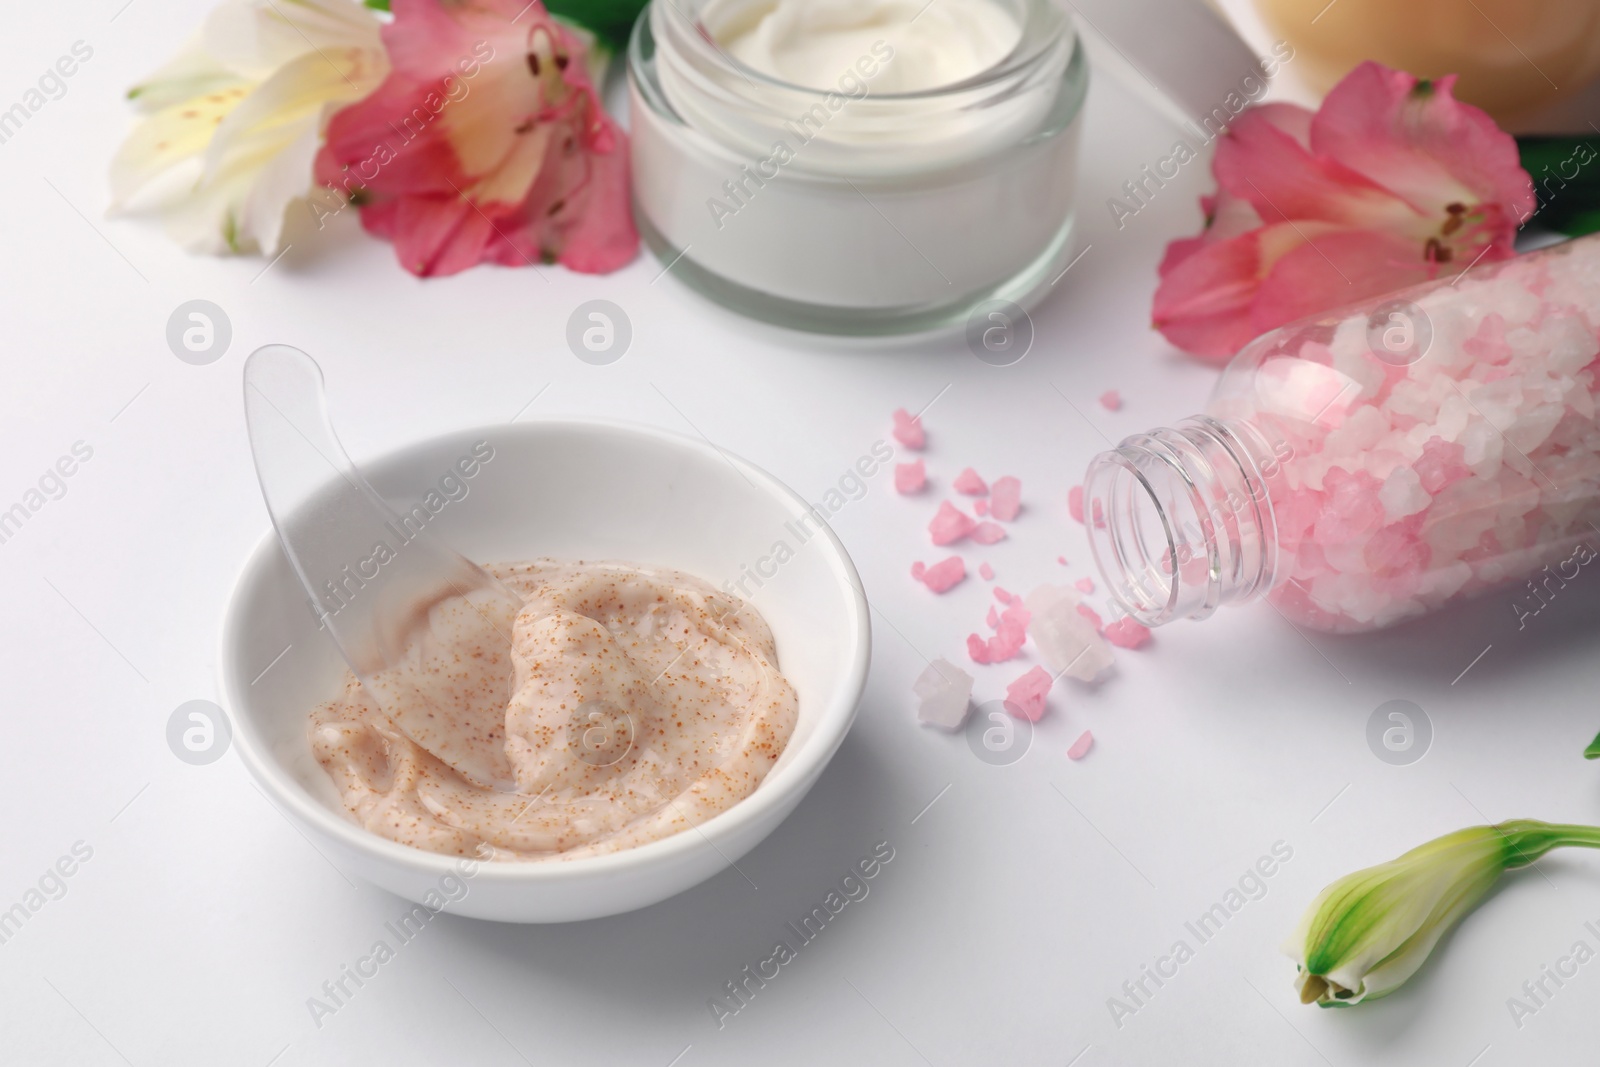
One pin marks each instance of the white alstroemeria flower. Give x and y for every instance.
(1368, 932)
(235, 121)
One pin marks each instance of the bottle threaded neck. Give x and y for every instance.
(1180, 520)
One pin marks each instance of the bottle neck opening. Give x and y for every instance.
(1180, 521)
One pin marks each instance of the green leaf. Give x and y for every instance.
(1566, 181)
(609, 20)
(377, 5)
(1593, 751)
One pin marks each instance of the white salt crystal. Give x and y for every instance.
(944, 694)
(1066, 639)
(1533, 426)
(1481, 448)
(1402, 494)
(1442, 583)
(1573, 345)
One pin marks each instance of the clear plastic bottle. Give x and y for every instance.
(1374, 463)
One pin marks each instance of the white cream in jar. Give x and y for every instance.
(809, 42)
(865, 167)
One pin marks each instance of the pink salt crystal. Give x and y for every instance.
(944, 574)
(944, 695)
(1111, 400)
(1011, 633)
(987, 533)
(918, 569)
(1350, 509)
(993, 618)
(980, 507)
(908, 430)
(1125, 633)
(1017, 613)
(1005, 498)
(1061, 560)
(1080, 747)
(969, 483)
(910, 477)
(1006, 642)
(1001, 595)
(1092, 615)
(1084, 585)
(986, 571)
(1075, 502)
(1025, 696)
(950, 524)
(1440, 464)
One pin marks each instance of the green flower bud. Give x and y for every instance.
(1368, 932)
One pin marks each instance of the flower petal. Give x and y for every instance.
(168, 138)
(1227, 216)
(488, 112)
(1336, 268)
(269, 143)
(1258, 161)
(1417, 140)
(1205, 305)
(191, 73)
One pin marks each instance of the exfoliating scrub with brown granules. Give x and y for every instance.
(641, 702)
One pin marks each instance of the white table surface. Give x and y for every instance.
(1015, 906)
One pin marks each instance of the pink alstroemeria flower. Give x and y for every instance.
(1391, 182)
(486, 143)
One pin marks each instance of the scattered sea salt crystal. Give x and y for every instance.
(1001, 595)
(1067, 641)
(1084, 585)
(944, 695)
(918, 569)
(1092, 615)
(1062, 560)
(1080, 747)
(993, 618)
(1005, 498)
(969, 483)
(908, 430)
(1006, 642)
(986, 571)
(1011, 632)
(1125, 633)
(1025, 697)
(987, 533)
(950, 524)
(910, 477)
(980, 506)
(944, 574)
(1111, 400)
(1075, 503)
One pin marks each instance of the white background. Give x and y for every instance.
(1015, 906)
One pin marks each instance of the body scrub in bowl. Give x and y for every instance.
(657, 718)
(867, 167)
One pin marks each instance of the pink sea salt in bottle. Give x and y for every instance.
(1369, 465)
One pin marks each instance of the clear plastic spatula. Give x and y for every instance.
(426, 630)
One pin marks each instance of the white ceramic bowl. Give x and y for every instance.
(574, 489)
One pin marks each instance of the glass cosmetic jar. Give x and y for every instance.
(847, 210)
